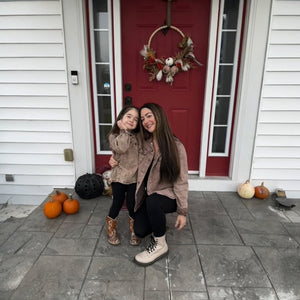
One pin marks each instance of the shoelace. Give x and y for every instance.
(152, 245)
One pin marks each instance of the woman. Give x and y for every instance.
(162, 182)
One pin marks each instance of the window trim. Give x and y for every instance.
(94, 76)
(233, 82)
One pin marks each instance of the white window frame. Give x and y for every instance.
(94, 78)
(233, 82)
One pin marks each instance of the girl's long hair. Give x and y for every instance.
(170, 165)
(115, 129)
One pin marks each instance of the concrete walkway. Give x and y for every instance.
(230, 249)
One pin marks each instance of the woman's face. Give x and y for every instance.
(148, 120)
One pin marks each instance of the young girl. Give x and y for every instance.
(124, 145)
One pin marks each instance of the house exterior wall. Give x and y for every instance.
(276, 158)
(42, 113)
(35, 123)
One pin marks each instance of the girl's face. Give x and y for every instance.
(148, 120)
(130, 119)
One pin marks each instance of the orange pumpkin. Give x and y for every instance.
(261, 192)
(52, 208)
(60, 196)
(71, 206)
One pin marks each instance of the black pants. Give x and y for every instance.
(151, 218)
(120, 192)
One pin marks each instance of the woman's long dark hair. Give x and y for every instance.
(115, 129)
(170, 165)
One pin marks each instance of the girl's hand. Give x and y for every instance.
(112, 162)
(121, 125)
(180, 222)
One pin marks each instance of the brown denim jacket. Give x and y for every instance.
(125, 152)
(177, 191)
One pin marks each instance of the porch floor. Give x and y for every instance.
(231, 249)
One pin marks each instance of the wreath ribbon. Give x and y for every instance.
(170, 66)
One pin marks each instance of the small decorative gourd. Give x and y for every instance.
(52, 208)
(71, 206)
(246, 190)
(60, 196)
(261, 192)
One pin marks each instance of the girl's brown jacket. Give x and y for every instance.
(125, 152)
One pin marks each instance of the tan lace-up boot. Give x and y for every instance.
(156, 249)
(111, 225)
(134, 240)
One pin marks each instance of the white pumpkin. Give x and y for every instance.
(246, 190)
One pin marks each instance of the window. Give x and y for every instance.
(225, 76)
(101, 48)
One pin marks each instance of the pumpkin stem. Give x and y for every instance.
(262, 184)
(57, 192)
(70, 197)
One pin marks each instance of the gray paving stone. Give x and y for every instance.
(93, 289)
(220, 293)
(184, 269)
(232, 266)
(13, 270)
(189, 296)
(37, 221)
(260, 227)
(254, 293)
(53, 277)
(269, 240)
(8, 227)
(208, 205)
(64, 246)
(82, 217)
(283, 268)
(91, 232)
(293, 230)
(97, 218)
(25, 243)
(157, 276)
(70, 230)
(174, 236)
(114, 269)
(214, 230)
(231, 248)
(155, 295)
(241, 213)
(121, 290)
(231, 199)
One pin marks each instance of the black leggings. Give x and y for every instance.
(150, 217)
(120, 192)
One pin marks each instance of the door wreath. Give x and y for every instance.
(170, 66)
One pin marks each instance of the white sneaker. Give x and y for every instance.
(156, 249)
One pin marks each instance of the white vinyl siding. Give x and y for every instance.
(35, 125)
(276, 159)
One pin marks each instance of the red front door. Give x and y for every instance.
(183, 100)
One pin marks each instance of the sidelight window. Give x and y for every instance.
(101, 56)
(225, 76)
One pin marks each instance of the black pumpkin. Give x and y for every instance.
(89, 186)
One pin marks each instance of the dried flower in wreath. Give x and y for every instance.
(170, 66)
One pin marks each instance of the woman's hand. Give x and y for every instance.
(180, 222)
(112, 162)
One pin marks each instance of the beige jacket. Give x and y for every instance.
(125, 152)
(177, 190)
